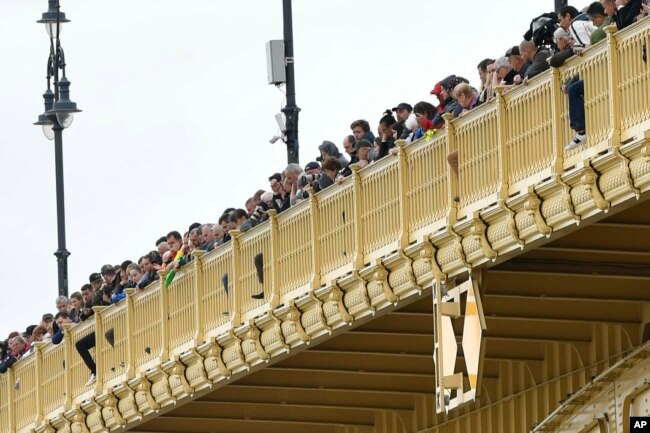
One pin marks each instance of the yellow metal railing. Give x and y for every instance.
(504, 147)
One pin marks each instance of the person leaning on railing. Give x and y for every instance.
(17, 349)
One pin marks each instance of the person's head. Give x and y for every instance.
(528, 49)
(313, 167)
(218, 232)
(360, 128)
(108, 273)
(61, 303)
(292, 173)
(566, 15)
(562, 38)
(348, 144)
(39, 333)
(146, 264)
(46, 320)
(162, 247)
(77, 300)
(402, 111)
(87, 292)
(464, 94)
(609, 6)
(363, 150)
(134, 272)
(27, 335)
(328, 149)
(61, 319)
(207, 232)
(331, 167)
(238, 217)
(275, 181)
(17, 345)
(386, 121)
(515, 58)
(502, 67)
(250, 207)
(195, 238)
(174, 240)
(425, 109)
(596, 13)
(482, 69)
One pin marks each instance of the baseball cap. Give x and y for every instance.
(311, 165)
(403, 106)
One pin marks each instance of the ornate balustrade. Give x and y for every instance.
(382, 236)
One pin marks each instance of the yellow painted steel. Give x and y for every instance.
(182, 313)
(503, 147)
(147, 334)
(294, 260)
(114, 347)
(217, 269)
(24, 401)
(52, 383)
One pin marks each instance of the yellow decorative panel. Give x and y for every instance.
(114, 347)
(53, 380)
(529, 129)
(4, 400)
(147, 335)
(427, 184)
(255, 278)
(593, 70)
(182, 310)
(25, 391)
(634, 85)
(217, 271)
(336, 231)
(380, 213)
(294, 262)
(79, 373)
(476, 138)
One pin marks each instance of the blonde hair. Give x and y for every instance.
(463, 89)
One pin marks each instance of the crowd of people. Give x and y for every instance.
(552, 39)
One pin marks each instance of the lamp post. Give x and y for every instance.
(58, 115)
(290, 110)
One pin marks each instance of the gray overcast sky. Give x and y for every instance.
(177, 112)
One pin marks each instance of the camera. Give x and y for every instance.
(256, 217)
(306, 179)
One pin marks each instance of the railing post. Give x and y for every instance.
(164, 314)
(11, 400)
(38, 347)
(358, 227)
(130, 332)
(275, 251)
(452, 177)
(99, 348)
(614, 80)
(402, 173)
(502, 138)
(67, 371)
(315, 248)
(199, 294)
(556, 110)
(235, 298)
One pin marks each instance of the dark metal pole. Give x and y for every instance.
(61, 253)
(290, 110)
(559, 4)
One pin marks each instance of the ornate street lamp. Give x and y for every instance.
(58, 115)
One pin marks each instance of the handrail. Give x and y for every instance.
(504, 148)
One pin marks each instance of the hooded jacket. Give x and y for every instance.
(333, 151)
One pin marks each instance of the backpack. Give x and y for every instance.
(541, 30)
